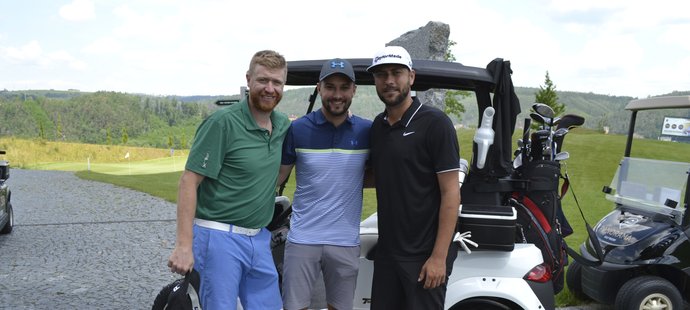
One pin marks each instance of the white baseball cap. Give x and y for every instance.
(391, 55)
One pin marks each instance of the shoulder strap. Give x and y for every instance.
(590, 233)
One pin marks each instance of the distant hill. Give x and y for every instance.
(599, 110)
(170, 121)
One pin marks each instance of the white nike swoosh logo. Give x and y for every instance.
(407, 133)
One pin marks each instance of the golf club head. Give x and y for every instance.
(560, 132)
(558, 137)
(555, 121)
(562, 156)
(570, 121)
(543, 110)
(538, 118)
(517, 162)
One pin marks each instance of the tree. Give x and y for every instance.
(183, 142)
(453, 106)
(548, 96)
(58, 129)
(108, 138)
(449, 54)
(41, 131)
(124, 135)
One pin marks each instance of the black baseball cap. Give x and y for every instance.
(337, 65)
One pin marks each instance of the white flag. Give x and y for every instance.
(127, 155)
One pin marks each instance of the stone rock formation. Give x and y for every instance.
(428, 42)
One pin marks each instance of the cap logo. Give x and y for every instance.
(338, 64)
(378, 58)
(396, 55)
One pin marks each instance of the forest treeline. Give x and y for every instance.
(170, 121)
(102, 117)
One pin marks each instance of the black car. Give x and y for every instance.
(642, 260)
(6, 214)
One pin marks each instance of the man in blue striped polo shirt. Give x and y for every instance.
(329, 149)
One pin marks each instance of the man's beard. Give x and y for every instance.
(333, 112)
(263, 106)
(397, 100)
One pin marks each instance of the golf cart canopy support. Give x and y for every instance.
(492, 86)
(655, 103)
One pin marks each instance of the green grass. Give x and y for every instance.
(146, 167)
(163, 185)
(594, 158)
(42, 154)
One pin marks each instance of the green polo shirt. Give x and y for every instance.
(240, 162)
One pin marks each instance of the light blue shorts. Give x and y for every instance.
(233, 265)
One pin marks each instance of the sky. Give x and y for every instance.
(203, 47)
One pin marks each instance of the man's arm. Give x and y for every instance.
(284, 173)
(369, 180)
(434, 270)
(182, 258)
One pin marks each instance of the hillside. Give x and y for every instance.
(170, 121)
(598, 110)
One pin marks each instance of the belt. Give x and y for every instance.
(227, 227)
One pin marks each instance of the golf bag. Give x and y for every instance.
(181, 294)
(540, 218)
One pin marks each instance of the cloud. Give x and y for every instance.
(63, 57)
(624, 47)
(105, 45)
(78, 10)
(149, 26)
(32, 54)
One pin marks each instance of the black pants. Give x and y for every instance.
(395, 285)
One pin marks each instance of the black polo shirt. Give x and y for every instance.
(406, 158)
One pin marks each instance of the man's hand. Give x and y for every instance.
(433, 272)
(181, 260)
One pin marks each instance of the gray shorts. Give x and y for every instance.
(301, 266)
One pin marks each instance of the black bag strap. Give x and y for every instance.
(564, 187)
(191, 290)
(590, 232)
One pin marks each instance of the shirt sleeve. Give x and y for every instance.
(289, 155)
(208, 151)
(444, 146)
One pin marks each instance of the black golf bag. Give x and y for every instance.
(540, 218)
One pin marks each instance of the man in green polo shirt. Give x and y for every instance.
(226, 195)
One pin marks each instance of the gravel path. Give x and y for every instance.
(79, 244)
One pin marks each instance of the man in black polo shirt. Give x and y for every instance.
(415, 156)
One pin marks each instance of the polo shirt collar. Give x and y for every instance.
(249, 121)
(320, 119)
(409, 113)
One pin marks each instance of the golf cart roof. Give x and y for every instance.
(492, 87)
(429, 74)
(667, 102)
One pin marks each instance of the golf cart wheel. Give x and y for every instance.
(8, 226)
(648, 292)
(482, 304)
(573, 278)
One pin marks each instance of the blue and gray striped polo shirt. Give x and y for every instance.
(329, 170)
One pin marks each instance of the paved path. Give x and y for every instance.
(83, 245)
(87, 245)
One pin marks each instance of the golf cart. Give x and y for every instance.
(6, 214)
(645, 258)
(499, 273)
